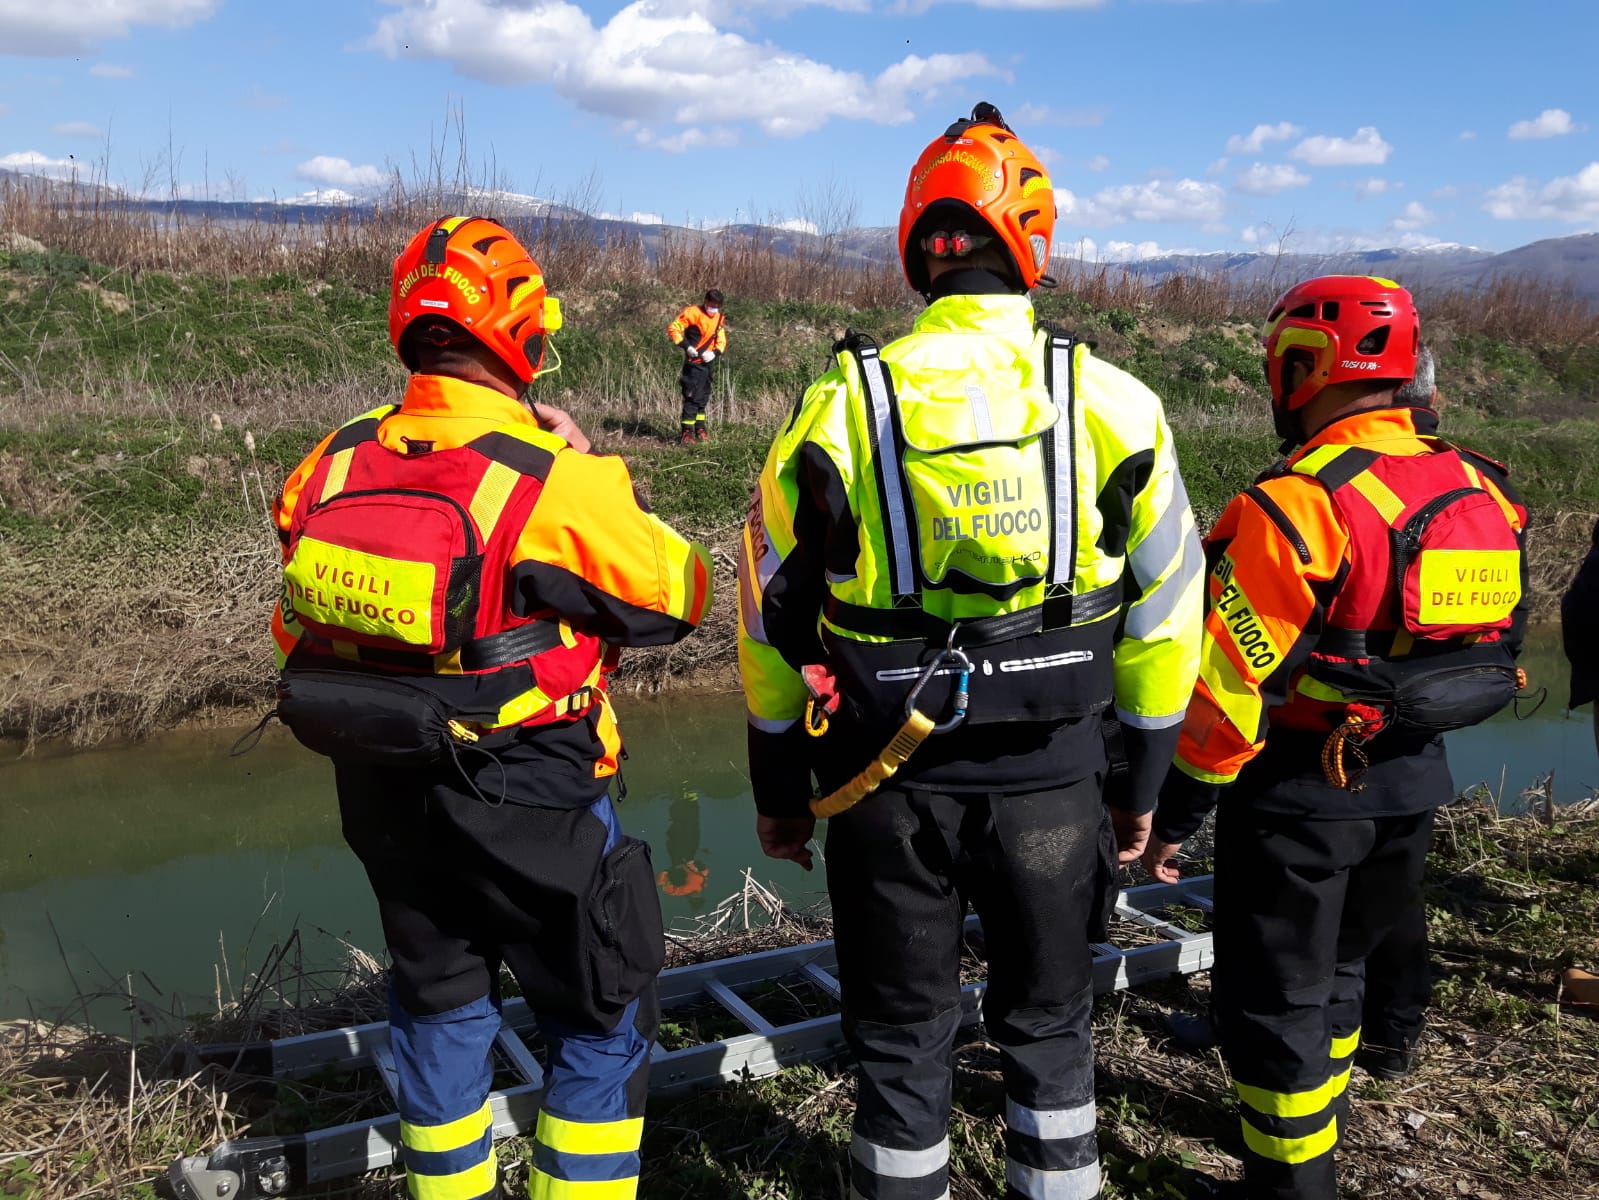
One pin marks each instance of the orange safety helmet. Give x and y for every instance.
(980, 166)
(1343, 327)
(473, 271)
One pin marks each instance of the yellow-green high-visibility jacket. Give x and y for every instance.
(989, 480)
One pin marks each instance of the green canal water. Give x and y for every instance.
(171, 864)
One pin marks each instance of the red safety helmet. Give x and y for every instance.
(978, 178)
(473, 271)
(1343, 327)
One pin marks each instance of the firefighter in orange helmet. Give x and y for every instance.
(980, 510)
(700, 330)
(1364, 597)
(449, 602)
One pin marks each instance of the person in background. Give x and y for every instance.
(700, 330)
(456, 569)
(980, 505)
(1363, 599)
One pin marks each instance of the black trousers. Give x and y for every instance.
(1300, 906)
(1398, 984)
(696, 385)
(901, 868)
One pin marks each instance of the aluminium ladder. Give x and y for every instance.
(261, 1168)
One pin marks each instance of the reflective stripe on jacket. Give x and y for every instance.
(961, 492)
(548, 563)
(1284, 567)
(712, 329)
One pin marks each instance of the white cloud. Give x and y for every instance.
(1255, 140)
(1334, 242)
(685, 140)
(1049, 156)
(1098, 163)
(1268, 179)
(1447, 192)
(110, 71)
(340, 172)
(659, 62)
(1468, 135)
(1217, 168)
(1572, 198)
(1365, 149)
(82, 129)
(1044, 114)
(31, 162)
(1552, 122)
(1156, 200)
(1415, 215)
(60, 27)
(1367, 188)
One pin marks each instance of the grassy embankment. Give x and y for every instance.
(1503, 1106)
(150, 408)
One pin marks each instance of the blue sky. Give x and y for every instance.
(1166, 124)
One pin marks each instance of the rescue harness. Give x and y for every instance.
(1065, 630)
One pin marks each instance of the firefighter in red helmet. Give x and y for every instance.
(1364, 598)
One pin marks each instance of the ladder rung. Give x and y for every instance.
(730, 1000)
(824, 980)
(521, 1058)
(383, 1059)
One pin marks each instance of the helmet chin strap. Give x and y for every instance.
(1288, 426)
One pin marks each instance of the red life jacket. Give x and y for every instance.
(1433, 579)
(399, 564)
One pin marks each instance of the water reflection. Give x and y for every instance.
(174, 865)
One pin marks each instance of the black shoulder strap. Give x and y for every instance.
(363, 430)
(1060, 459)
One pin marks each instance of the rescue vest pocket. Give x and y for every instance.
(360, 571)
(371, 720)
(1453, 698)
(1457, 567)
(627, 948)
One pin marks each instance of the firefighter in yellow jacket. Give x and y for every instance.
(1362, 600)
(449, 610)
(980, 511)
(700, 331)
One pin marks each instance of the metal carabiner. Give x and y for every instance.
(950, 654)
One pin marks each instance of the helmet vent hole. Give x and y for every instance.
(1003, 137)
(1307, 311)
(1029, 173)
(1375, 342)
(1027, 217)
(517, 328)
(1329, 310)
(482, 244)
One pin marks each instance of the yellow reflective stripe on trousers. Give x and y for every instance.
(584, 1137)
(1292, 1150)
(1294, 1104)
(434, 1139)
(547, 1187)
(1343, 1047)
(463, 1185)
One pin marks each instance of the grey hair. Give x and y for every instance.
(1420, 389)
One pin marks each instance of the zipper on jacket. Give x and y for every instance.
(1407, 541)
(467, 524)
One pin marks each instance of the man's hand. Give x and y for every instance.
(786, 837)
(707, 356)
(1132, 832)
(559, 422)
(1160, 860)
